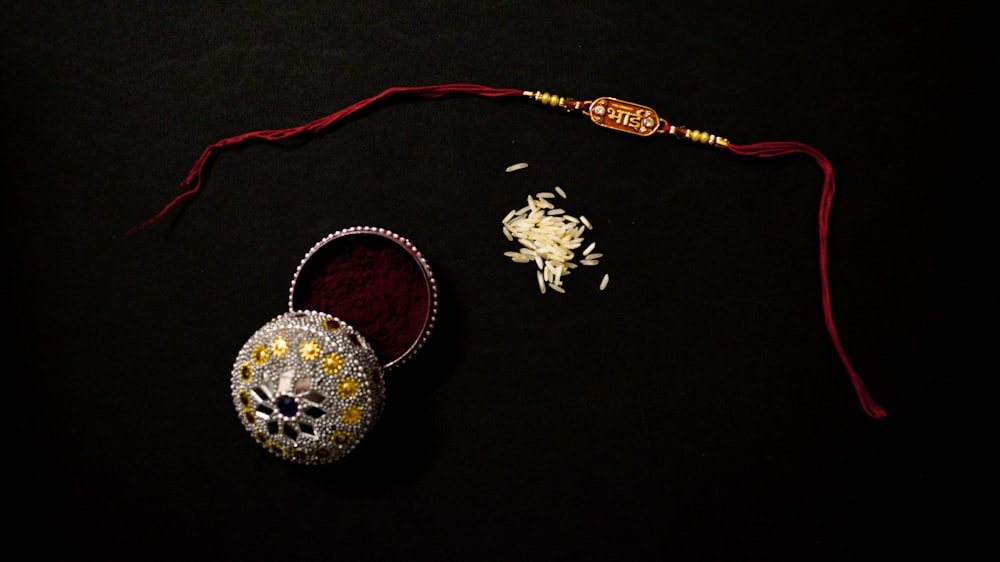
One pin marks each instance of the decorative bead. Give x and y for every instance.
(260, 354)
(309, 350)
(351, 414)
(332, 363)
(347, 387)
(545, 97)
(341, 437)
(279, 346)
(287, 406)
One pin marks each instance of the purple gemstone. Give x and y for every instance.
(287, 406)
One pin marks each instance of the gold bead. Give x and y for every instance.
(260, 354)
(279, 346)
(351, 414)
(332, 363)
(545, 97)
(554, 102)
(309, 350)
(703, 137)
(347, 387)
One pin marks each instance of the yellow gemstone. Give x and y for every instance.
(260, 354)
(341, 437)
(309, 350)
(279, 346)
(299, 455)
(250, 416)
(332, 324)
(246, 372)
(332, 363)
(347, 387)
(278, 449)
(322, 453)
(351, 414)
(244, 398)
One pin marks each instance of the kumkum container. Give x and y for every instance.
(309, 384)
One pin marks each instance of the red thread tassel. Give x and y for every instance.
(194, 178)
(770, 149)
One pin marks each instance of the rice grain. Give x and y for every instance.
(550, 238)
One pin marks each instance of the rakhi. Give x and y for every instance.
(309, 384)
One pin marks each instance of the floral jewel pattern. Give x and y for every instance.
(307, 387)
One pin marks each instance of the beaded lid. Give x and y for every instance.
(307, 386)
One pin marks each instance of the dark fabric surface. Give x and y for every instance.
(695, 410)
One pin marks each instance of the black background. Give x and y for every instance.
(695, 410)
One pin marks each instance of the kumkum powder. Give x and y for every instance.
(375, 281)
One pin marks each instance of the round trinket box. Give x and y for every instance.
(309, 384)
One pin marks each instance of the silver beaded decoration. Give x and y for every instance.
(307, 387)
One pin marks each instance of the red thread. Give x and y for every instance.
(195, 177)
(771, 149)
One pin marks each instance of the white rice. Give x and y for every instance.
(550, 238)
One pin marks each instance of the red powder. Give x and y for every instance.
(373, 284)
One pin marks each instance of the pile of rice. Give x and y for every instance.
(549, 238)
